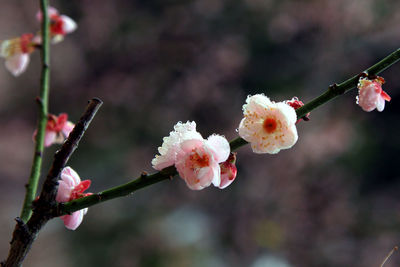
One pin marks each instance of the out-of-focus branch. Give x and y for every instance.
(31, 186)
(45, 208)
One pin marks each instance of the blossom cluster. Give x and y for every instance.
(16, 51)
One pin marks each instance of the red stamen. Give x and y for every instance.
(270, 125)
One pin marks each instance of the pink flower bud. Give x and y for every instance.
(57, 129)
(71, 187)
(371, 95)
(228, 171)
(296, 103)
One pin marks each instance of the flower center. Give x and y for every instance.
(270, 125)
(199, 161)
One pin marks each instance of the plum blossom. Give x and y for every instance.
(60, 25)
(196, 159)
(71, 187)
(16, 52)
(268, 126)
(371, 95)
(228, 171)
(57, 129)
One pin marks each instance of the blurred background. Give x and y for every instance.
(331, 200)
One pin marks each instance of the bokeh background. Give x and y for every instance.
(331, 200)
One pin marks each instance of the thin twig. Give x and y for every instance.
(42, 102)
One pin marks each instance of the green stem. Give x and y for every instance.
(146, 180)
(33, 181)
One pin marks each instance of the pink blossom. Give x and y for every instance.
(196, 159)
(228, 171)
(371, 95)
(170, 146)
(60, 25)
(71, 187)
(268, 126)
(16, 53)
(57, 129)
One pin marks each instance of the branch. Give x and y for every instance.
(335, 90)
(45, 207)
(31, 186)
(146, 180)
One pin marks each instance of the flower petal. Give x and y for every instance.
(17, 63)
(219, 147)
(72, 221)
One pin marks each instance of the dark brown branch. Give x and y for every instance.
(46, 206)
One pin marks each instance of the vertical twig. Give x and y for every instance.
(33, 181)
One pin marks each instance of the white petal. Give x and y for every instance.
(219, 146)
(17, 63)
(69, 24)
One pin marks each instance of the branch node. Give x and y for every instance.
(144, 174)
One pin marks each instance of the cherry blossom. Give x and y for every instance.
(16, 52)
(60, 25)
(196, 159)
(268, 126)
(57, 129)
(71, 187)
(228, 171)
(371, 95)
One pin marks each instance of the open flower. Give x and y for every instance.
(228, 171)
(16, 53)
(196, 159)
(71, 187)
(57, 129)
(267, 125)
(60, 25)
(371, 95)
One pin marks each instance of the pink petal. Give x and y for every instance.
(189, 145)
(68, 172)
(74, 220)
(64, 191)
(219, 147)
(67, 129)
(49, 138)
(50, 10)
(17, 63)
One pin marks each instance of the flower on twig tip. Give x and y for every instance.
(196, 159)
(268, 126)
(57, 129)
(71, 187)
(16, 52)
(60, 25)
(228, 171)
(371, 95)
(296, 103)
